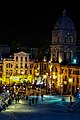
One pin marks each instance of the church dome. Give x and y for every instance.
(64, 23)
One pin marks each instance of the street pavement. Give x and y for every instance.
(52, 107)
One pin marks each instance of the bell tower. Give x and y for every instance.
(63, 47)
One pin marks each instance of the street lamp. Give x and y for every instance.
(70, 81)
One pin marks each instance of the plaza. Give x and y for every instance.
(50, 108)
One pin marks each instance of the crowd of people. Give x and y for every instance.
(8, 101)
(16, 98)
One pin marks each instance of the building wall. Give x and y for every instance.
(19, 65)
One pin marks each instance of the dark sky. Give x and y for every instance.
(32, 22)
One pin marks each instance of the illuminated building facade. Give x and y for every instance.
(63, 55)
(63, 40)
(61, 74)
(16, 66)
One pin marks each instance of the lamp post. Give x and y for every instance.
(70, 81)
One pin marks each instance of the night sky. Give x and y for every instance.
(31, 23)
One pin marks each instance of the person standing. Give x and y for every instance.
(42, 96)
(33, 100)
(70, 98)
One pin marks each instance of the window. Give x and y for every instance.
(9, 65)
(6, 65)
(70, 71)
(25, 65)
(26, 59)
(30, 71)
(21, 59)
(16, 65)
(16, 58)
(25, 71)
(0, 68)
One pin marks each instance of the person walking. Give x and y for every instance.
(71, 103)
(36, 99)
(30, 102)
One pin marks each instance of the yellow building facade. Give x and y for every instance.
(61, 74)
